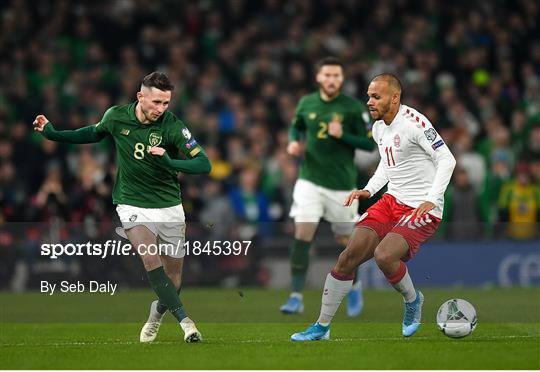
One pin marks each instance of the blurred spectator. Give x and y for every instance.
(463, 214)
(519, 204)
(248, 201)
(469, 161)
(498, 174)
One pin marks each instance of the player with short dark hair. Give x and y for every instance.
(148, 138)
(157, 80)
(417, 166)
(333, 125)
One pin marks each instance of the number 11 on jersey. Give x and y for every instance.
(389, 156)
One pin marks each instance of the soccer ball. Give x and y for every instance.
(456, 318)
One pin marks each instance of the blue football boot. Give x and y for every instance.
(315, 332)
(412, 315)
(294, 305)
(355, 301)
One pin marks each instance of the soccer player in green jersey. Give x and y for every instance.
(148, 139)
(334, 125)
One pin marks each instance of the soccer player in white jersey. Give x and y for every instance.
(417, 166)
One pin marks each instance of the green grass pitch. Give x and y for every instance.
(244, 330)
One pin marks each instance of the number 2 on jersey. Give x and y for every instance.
(389, 156)
(323, 130)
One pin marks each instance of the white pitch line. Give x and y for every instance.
(249, 341)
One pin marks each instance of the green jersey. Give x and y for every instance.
(329, 161)
(143, 180)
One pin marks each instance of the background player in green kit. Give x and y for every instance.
(334, 125)
(148, 138)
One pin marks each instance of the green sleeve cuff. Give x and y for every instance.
(294, 134)
(198, 165)
(358, 142)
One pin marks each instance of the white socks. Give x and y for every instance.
(333, 293)
(402, 282)
(155, 316)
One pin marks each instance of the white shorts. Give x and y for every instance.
(312, 202)
(167, 224)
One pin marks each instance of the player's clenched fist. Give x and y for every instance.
(295, 148)
(335, 129)
(159, 151)
(356, 194)
(39, 123)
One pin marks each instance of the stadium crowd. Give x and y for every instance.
(240, 67)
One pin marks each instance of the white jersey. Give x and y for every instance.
(415, 161)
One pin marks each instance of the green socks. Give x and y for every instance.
(299, 264)
(161, 307)
(166, 292)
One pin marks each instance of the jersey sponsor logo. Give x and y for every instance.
(154, 139)
(430, 134)
(397, 140)
(124, 132)
(191, 143)
(186, 133)
(312, 116)
(437, 144)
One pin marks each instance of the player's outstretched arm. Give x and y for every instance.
(335, 129)
(86, 134)
(199, 164)
(378, 180)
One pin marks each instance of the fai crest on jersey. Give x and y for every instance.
(154, 139)
(337, 117)
(186, 133)
(397, 140)
(430, 134)
(312, 116)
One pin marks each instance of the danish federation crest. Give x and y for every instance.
(186, 133)
(154, 139)
(397, 140)
(430, 134)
